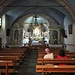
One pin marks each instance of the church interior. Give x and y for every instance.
(27, 27)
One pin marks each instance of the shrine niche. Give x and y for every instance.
(16, 33)
(55, 34)
(36, 32)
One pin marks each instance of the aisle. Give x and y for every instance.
(28, 67)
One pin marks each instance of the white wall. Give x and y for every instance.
(70, 37)
(7, 27)
(3, 30)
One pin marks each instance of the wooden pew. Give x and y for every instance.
(70, 55)
(15, 50)
(55, 61)
(20, 55)
(10, 54)
(15, 57)
(52, 65)
(57, 52)
(10, 58)
(16, 54)
(11, 50)
(55, 68)
(5, 64)
(42, 49)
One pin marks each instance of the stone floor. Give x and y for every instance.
(28, 67)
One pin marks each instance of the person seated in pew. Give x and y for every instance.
(48, 54)
(62, 55)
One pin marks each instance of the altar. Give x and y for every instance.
(59, 46)
(34, 42)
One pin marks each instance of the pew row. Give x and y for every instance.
(15, 55)
(42, 61)
(70, 55)
(55, 68)
(5, 66)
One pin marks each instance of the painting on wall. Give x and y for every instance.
(55, 34)
(70, 29)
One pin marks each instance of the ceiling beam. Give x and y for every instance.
(37, 6)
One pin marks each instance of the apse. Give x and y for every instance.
(33, 28)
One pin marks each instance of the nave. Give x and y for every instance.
(28, 65)
(30, 23)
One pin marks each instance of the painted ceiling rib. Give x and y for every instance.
(2, 2)
(38, 6)
(69, 6)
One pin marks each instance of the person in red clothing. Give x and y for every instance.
(62, 55)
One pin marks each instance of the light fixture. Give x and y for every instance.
(33, 23)
(35, 17)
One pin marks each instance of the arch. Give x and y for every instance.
(49, 12)
(13, 16)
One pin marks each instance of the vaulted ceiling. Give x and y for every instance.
(56, 9)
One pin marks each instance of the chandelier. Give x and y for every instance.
(35, 20)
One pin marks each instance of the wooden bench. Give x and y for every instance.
(42, 49)
(14, 54)
(10, 58)
(4, 66)
(13, 50)
(55, 61)
(56, 54)
(55, 68)
(7, 54)
(16, 58)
